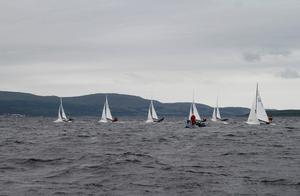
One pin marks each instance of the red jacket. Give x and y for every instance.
(193, 119)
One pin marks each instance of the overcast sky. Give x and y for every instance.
(164, 49)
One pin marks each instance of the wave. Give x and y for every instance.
(34, 161)
(239, 153)
(279, 181)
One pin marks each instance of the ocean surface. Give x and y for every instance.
(39, 157)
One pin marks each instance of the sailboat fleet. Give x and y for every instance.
(256, 116)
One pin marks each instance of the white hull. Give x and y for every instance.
(58, 121)
(62, 121)
(149, 121)
(253, 123)
(214, 120)
(105, 121)
(219, 121)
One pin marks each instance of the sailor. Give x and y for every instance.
(270, 118)
(193, 119)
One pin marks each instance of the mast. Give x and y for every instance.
(218, 110)
(193, 111)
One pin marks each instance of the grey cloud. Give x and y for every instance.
(280, 52)
(258, 55)
(251, 57)
(103, 30)
(289, 74)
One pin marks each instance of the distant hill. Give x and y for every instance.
(91, 105)
(284, 112)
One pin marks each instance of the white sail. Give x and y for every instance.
(61, 113)
(59, 118)
(218, 114)
(218, 111)
(261, 112)
(103, 117)
(153, 112)
(108, 113)
(252, 119)
(152, 115)
(149, 118)
(214, 116)
(194, 111)
(191, 112)
(257, 111)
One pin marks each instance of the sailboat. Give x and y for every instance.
(216, 116)
(62, 117)
(152, 115)
(194, 114)
(106, 114)
(257, 113)
(194, 111)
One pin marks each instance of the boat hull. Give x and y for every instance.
(252, 123)
(159, 120)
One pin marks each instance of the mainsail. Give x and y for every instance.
(106, 114)
(152, 116)
(252, 119)
(261, 112)
(216, 113)
(103, 117)
(214, 116)
(63, 114)
(194, 111)
(257, 112)
(59, 114)
(62, 117)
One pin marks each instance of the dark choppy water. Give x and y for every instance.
(38, 157)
